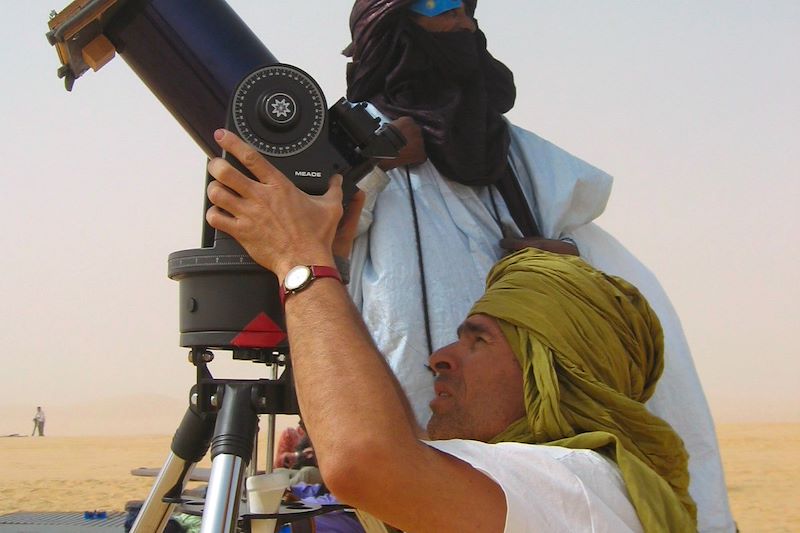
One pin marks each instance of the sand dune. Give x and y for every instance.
(762, 468)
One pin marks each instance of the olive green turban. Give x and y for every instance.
(591, 352)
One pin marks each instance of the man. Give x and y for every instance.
(471, 186)
(286, 451)
(38, 422)
(554, 353)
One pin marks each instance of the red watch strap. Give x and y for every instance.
(317, 271)
(321, 271)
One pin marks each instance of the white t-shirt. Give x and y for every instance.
(550, 488)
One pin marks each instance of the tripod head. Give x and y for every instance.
(208, 69)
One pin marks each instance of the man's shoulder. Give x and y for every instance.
(568, 191)
(526, 452)
(526, 141)
(518, 459)
(574, 487)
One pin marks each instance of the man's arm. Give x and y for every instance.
(355, 414)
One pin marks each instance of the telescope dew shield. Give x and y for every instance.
(191, 54)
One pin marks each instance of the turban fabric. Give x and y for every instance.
(446, 81)
(591, 352)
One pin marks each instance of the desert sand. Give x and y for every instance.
(762, 468)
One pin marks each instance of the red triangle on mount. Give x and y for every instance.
(261, 332)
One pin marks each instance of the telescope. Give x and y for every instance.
(208, 69)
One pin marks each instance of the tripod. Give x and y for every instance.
(222, 416)
(228, 301)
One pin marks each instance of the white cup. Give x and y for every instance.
(264, 494)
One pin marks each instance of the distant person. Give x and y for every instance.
(286, 449)
(296, 453)
(304, 453)
(38, 422)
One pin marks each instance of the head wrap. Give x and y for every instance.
(591, 351)
(448, 82)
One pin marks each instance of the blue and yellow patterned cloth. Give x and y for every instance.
(431, 8)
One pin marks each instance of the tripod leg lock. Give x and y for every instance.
(193, 437)
(235, 429)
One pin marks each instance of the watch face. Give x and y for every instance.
(296, 278)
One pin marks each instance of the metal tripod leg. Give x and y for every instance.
(189, 445)
(155, 512)
(231, 449)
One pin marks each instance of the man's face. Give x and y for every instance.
(453, 20)
(478, 384)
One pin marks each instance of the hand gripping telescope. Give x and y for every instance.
(209, 69)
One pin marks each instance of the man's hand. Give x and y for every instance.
(279, 225)
(308, 454)
(343, 242)
(548, 245)
(414, 151)
(287, 460)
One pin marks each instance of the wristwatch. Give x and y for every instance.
(301, 276)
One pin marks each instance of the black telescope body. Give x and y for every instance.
(208, 69)
(190, 54)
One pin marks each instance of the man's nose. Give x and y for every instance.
(444, 359)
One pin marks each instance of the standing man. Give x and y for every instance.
(38, 422)
(469, 187)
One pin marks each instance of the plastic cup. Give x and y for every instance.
(264, 493)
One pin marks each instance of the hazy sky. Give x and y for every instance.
(692, 106)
